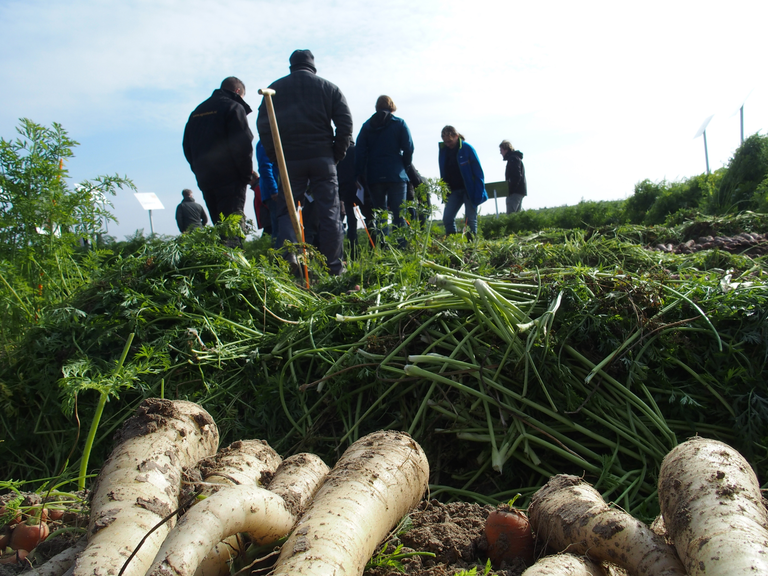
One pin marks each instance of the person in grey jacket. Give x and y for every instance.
(189, 214)
(307, 107)
(514, 175)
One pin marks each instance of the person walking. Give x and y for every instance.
(383, 151)
(307, 107)
(218, 144)
(189, 214)
(514, 174)
(460, 169)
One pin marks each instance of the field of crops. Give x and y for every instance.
(509, 360)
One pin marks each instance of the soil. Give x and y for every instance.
(453, 532)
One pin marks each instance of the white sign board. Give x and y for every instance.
(149, 201)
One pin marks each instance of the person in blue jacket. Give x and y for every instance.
(460, 169)
(384, 150)
(269, 187)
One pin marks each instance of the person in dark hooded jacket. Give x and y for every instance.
(218, 146)
(189, 214)
(384, 150)
(514, 175)
(307, 108)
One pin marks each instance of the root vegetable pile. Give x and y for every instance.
(323, 522)
(375, 483)
(335, 520)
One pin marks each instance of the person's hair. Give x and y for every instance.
(450, 131)
(384, 102)
(187, 193)
(233, 84)
(506, 145)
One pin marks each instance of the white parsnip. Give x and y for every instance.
(296, 480)
(565, 565)
(568, 515)
(61, 562)
(713, 510)
(253, 509)
(378, 480)
(245, 462)
(140, 483)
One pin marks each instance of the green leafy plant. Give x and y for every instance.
(747, 170)
(431, 187)
(392, 559)
(43, 222)
(81, 375)
(473, 571)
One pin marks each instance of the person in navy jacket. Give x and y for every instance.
(460, 169)
(384, 150)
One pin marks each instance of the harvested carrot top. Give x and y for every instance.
(713, 509)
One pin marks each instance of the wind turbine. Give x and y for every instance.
(703, 130)
(741, 114)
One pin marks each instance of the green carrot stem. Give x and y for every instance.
(103, 397)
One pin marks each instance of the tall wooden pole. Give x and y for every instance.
(268, 93)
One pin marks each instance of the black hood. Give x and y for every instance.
(302, 60)
(514, 153)
(381, 119)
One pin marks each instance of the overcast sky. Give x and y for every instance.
(597, 95)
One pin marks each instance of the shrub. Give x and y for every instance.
(740, 188)
(637, 205)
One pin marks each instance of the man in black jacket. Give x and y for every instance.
(218, 146)
(189, 214)
(305, 106)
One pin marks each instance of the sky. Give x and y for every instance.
(597, 95)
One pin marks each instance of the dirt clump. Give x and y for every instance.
(453, 532)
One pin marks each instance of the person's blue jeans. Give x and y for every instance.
(388, 196)
(456, 199)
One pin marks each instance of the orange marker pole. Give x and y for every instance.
(304, 245)
(362, 221)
